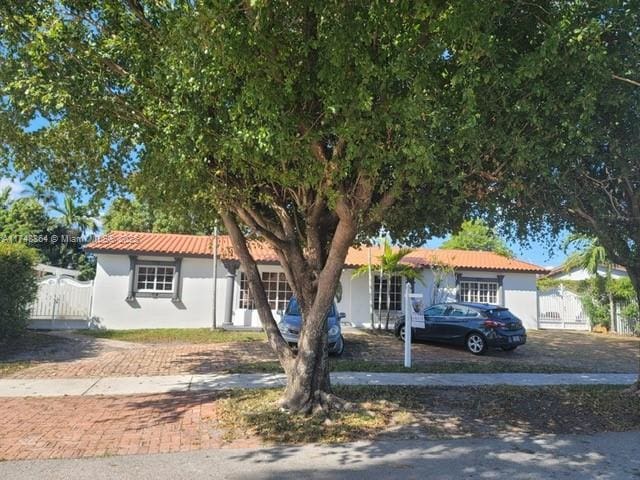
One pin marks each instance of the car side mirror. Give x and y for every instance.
(342, 315)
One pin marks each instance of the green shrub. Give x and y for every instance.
(18, 287)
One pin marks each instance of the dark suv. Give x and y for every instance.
(477, 326)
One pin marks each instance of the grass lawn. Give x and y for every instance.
(340, 365)
(8, 368)
(414, 412)
(176, 335)
(29, 341)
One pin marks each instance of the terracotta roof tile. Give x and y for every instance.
(202, 246)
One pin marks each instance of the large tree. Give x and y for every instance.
(477, 235)
(308, 124)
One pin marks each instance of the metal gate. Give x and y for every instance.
(626, 325)
(561, 309)
(62, 303)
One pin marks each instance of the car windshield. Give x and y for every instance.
(294, 310)
(501, 313)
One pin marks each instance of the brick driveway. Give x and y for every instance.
(141, 359)
(89, 357)
(74, 427)
(586, 352)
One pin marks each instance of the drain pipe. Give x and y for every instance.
(215, 276)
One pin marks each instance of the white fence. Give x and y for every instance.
(625, 325)
(561, 309)
(62, 303)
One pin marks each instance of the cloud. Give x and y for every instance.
(17, 189)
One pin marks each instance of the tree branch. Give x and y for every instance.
(627, 80)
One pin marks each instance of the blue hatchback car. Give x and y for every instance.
(291, 322)
(477, 326)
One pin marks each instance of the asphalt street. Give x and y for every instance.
(567, 457)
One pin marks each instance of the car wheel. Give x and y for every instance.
(476, 344)
(339, 347)
(509, 349)
(401, 332)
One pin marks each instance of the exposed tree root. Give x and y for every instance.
(318, 403)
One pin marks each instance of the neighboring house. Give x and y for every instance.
(152, 280)
(578, 274)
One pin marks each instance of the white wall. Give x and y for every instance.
(111, 310)
(579, 274)
(195, 309)
(521, 297)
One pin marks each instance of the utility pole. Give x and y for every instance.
(215, 275)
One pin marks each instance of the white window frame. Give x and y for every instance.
(155, 278)
(475, 293)
(274, 297)
(396, 299)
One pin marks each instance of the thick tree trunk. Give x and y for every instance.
(308, 383)
(634, 275)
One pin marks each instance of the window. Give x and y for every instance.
(462, 311)
(395, 293)
(436, 311)
(478, 292)
(245, 295)
(154, 278)
(276, 288)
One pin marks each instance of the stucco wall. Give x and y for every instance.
(111, 309)
(579, 274)
(195, 309)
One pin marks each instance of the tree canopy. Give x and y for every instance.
(309, 124)
(477, 235)
(135, 216)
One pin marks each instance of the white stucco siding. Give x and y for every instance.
(521, 297)
(195, 308)
(579, 274)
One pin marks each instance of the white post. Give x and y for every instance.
(215, 275)
(407, 326)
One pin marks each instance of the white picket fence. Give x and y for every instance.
(559, 308)
(62, 303)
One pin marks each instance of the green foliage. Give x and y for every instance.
(585, 176)
(18, 287)
(22, 219)
(477, 235)
(135, 216)
(590, 256)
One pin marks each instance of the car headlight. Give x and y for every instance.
(333, 331)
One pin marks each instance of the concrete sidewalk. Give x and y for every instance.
(212, 382)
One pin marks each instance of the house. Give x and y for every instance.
(154, 280)
(579, 274)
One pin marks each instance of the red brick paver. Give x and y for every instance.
(164, 359)
(74, 427)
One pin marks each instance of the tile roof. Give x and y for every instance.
(141, 243)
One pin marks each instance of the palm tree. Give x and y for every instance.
(75, 216)
(390, 266)
(591, 257)
(5, 198)
(39, 192)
